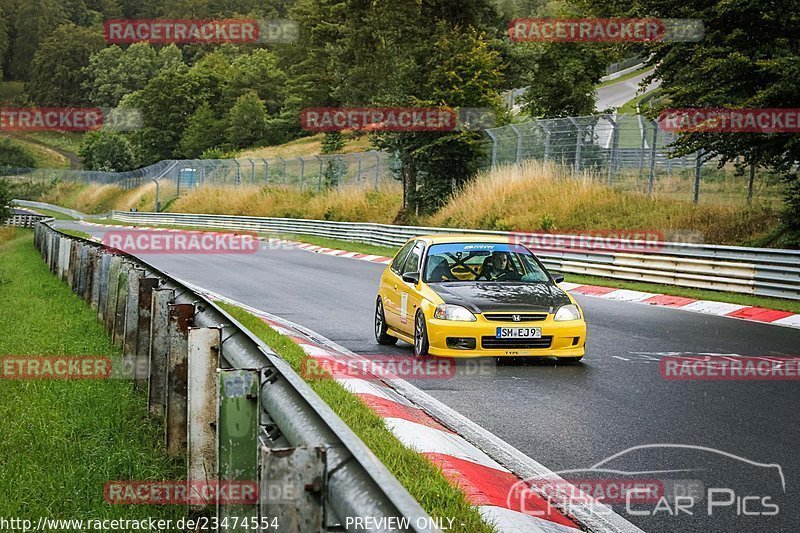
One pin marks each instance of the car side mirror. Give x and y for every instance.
(558, 277)
(411, 277)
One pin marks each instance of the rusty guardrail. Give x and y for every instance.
(234, 408)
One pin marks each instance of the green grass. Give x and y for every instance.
(75, 233)
(423, 479)
(9, 90)
(58, 215)
(68, 141)
(64, 440)
(626, 77)
(43, 157)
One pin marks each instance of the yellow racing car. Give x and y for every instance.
(468, 296)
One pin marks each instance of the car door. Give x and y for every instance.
(408, 294)
(390, 285)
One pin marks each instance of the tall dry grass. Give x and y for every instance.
(95, 198)
(532, 197)
(546, 197)
(345, 204)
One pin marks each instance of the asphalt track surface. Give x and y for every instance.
(617, 94)
(569, 417)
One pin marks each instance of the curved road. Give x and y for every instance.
(571, 417)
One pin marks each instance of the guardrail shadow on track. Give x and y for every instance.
(236, 410)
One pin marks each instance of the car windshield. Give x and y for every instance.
(482, 262)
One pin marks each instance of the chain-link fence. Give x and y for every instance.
(629, 152)
(624, 151)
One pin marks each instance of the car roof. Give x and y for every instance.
(455, 238)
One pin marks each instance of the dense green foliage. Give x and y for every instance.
(12, 155)
(211, 100)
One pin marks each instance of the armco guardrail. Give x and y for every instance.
(237, 410)
(22, 219)
(760, 271)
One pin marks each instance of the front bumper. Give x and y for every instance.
(559, 339)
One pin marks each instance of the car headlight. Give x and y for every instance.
(567, 312)
(453, 312)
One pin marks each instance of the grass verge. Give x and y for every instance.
(64, 440)
(423, 479)
(624, 77)
(58, 215)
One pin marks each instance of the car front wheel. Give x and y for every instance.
(421, 344)
(380, 326)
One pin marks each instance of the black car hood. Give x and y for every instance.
(487, 296)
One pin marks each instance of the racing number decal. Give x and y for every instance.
(403, 307)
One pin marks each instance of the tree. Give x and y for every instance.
(204, 131)
(748, 58)
(113, 72)
(57, 70)
(13, 155)
(108, 151)
(30, 23)
(165, 104)
(5, 200)
(247, 121)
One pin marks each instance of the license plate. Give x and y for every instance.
(519, 333)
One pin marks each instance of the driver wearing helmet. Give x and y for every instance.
(496, 266)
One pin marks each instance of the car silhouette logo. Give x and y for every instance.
(515, 318)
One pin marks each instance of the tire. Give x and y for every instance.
(380, 326)
(421, 343)
(569, 360)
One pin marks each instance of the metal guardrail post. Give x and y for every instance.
(130, 336)
(141, 353)
(97, 273)
(180, 318)
(292, 487)
(118, 325)
(204, 351)
(102, 290)
(159, 351)
(238, 419)
(110, 311)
